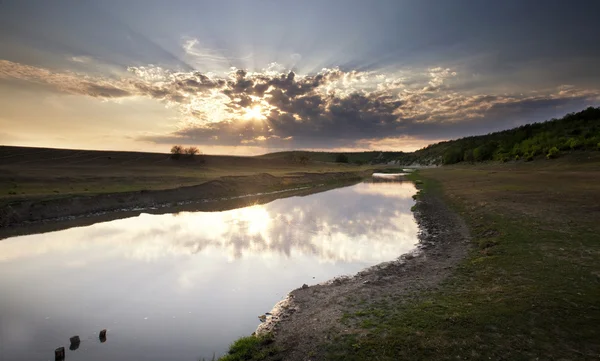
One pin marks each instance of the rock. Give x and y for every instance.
(304, 286)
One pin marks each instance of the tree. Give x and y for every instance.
(192, 151)
(341, 158)
(452, 156)
(176, 151)
(468, 156)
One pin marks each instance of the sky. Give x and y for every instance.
(250, 77)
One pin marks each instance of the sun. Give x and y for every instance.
(254, 113)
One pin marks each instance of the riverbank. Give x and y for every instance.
(313, 318)
(27, 211)
(527, 288)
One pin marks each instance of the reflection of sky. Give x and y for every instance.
(202, 276)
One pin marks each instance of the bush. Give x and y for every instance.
(303, 159)
(575, 143)
(341, 158)
(192, 151)
(176, 151)
(468, 156)
(452, 156)
(528, 157)
(552, 153)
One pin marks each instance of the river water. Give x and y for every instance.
(184, 286)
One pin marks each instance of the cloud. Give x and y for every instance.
(205, 57)
(81, 59)
(67, 82)
(333, 108)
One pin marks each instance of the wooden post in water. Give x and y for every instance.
(103, 336)
(75, 341)
(59, 354)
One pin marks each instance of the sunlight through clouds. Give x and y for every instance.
(330, 109)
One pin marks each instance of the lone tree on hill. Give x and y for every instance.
(176, 151)
(192, 151)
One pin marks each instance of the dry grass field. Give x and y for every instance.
(35, 172)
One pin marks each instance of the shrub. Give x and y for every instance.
(552, 153)
(303, 159)
(468, 156)
(574, 143)
(452, 156)
(517, 157)
(528, 157)
(341, 158)
(192, 151)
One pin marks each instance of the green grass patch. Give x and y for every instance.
(252, 348)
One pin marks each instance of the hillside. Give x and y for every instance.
(372, 157)
(30, 172)
(574, 131)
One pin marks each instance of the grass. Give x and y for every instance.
(530, 287)
(251, 348)
(52, 173)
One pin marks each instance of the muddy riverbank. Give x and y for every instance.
(311, 316)
(26, 212)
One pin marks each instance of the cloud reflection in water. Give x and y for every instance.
(373, 224)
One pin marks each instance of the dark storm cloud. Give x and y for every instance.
(303, 115)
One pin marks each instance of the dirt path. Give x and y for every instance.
(312, 316)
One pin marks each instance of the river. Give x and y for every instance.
(183, 286)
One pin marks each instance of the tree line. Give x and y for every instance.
(177, 151)
(574, 131)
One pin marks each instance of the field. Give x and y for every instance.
(40, 172)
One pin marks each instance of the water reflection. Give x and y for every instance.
(203, 276)
(322, 226)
